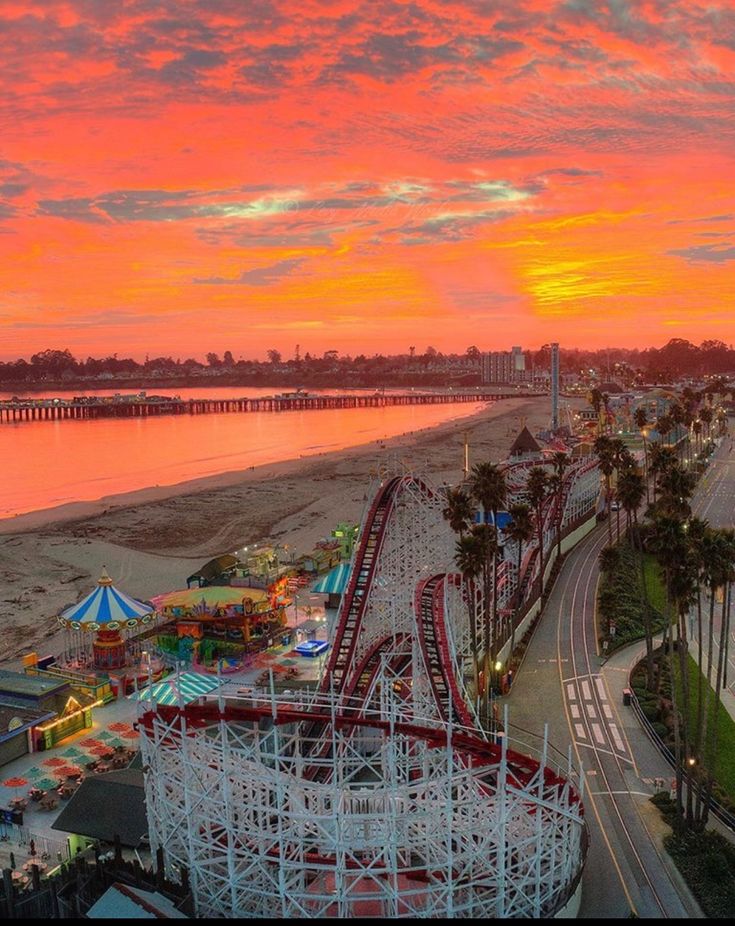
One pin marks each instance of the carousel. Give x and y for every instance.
(116, 621)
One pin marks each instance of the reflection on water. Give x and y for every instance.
(49, 463)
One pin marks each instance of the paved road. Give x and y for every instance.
(561, 681)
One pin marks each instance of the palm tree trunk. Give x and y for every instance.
(682, 648)
(540, 531)
(517, 609)
(699, 731)
(713, 744)
(647, 626)
(675, 714)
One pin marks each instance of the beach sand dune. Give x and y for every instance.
(152, 540)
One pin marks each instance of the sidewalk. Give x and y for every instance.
(648, 763)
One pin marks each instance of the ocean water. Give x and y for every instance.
(50, 463)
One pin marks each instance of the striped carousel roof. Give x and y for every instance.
(105, 608)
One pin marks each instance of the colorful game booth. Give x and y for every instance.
(218, 627)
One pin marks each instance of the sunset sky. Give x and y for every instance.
(178, 176)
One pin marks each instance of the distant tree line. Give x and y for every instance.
(676, 358)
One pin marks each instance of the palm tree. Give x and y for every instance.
(664, 425)
(595, 399)
(458, 510)
(662, 458)
(605, 454)
(519, 531)
(537, 486)
(727, 577)
(486, 539)
(675, 487)
(670, 544)
(706, 415)
(622, 460)
(487, 484)
(631, 492)
(697, 428)
(677, 415)
(640, 416)
(470, 559)
(560, 462)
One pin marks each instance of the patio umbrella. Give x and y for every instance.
(101, 750)
(89, 742)
(51, 763)
(72, 753)
(35, 772)
(119, 726)
(45, 784)
(130, 734)
(116, 742)
(70, 771)
(104, 735)
(15, 783)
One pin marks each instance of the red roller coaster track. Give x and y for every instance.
(355, 680)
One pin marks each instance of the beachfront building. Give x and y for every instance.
(36, 712)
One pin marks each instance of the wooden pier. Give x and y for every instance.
(92, 409)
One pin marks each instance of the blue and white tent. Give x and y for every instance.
(106, 608)
(335, 581)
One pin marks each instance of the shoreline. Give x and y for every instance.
(152, 539)
(84, 509)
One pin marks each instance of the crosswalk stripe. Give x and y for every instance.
(616, 737)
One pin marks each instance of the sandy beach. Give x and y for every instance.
(151, 540)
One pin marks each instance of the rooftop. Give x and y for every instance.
(106, 806)
(25, 686)
(123, 902)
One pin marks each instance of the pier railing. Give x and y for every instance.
(90, 408)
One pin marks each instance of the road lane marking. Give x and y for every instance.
(586, 693)
(579, 730)
(601, 688)
(616, 737)
(575, 711)
(591, 711)
(571, 693)
(608, 711)
(598, 734)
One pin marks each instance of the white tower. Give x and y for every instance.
(555, 386)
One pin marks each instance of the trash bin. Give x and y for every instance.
(627, 694)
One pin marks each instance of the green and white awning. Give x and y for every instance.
(335, 581)
(190, 685)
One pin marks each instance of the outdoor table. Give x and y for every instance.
(42, 866)
(19, 803)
